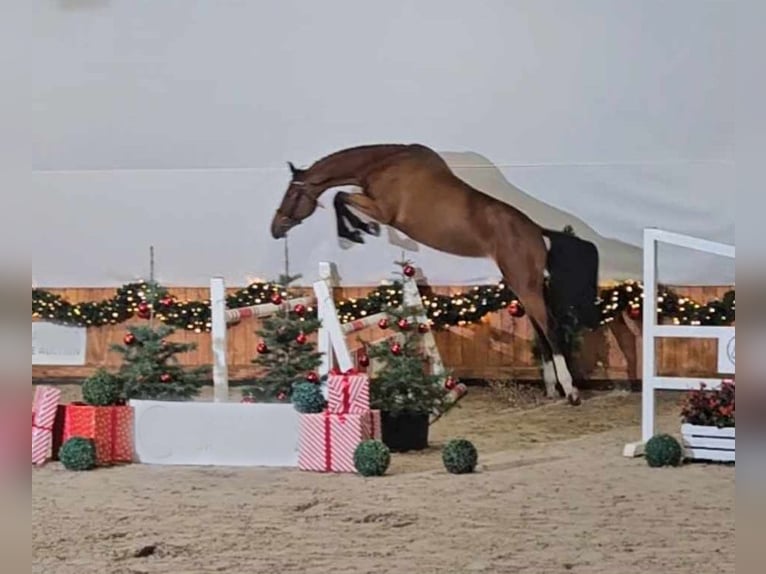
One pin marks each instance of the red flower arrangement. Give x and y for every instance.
(707, 407)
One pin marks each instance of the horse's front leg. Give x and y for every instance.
(345, 215)
(342, 216)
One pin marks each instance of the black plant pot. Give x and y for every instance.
(404, 431)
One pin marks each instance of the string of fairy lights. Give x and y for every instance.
(140, 299)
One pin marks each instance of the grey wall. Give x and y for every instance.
(169, 123)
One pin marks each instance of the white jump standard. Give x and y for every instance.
(651, 382)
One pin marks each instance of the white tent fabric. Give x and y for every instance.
(169, 124)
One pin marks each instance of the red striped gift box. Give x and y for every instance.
(348, 392)
(327, 440)
(44, 407)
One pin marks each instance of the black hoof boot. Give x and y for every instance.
(372, 228)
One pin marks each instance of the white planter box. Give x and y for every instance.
(219, 434)
(708, 443)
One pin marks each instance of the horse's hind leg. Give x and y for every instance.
(546, 358)
(527, 284)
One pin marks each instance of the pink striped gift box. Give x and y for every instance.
(44, 406)
(327, 440)
(348, 392)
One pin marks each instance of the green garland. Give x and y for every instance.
(443, 310)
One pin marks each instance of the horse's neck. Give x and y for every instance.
(347, 167)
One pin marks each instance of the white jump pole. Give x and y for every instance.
(218, 337)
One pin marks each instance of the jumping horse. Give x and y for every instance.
(412, 189)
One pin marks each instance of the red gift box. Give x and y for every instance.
(110, 428)
(348, 392)
(44, 407)
(327, 440)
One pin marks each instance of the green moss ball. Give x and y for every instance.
(371, 458)
(663, 450)
(459, 456)
(101, 389)
(307, 398)
(78, 454)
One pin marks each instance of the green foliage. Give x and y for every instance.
(102, 389)
(307, 398)
(459, 456)
(287, 361)
(663, 450)
(371, 458)
(709, 407)
(150, 367)
(78, 453)
(402, 384)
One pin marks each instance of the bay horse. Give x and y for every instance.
(412, 189)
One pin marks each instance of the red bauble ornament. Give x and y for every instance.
(144, 310)
(363, 360)
(281, 395)
(634, 312)
(403, 324)
(450, 383)
(408, 270)
(129, 339)
(396, 349)
(301, 338)
(383, 323)
(300, 309)
(165, 377)
(262, 348)
(276, 298)
(515, 309)
(312, 377)
(423, 328)
(166, 301)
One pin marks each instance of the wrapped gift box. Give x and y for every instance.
(328, 440)
(348, 392)
(110, 428)
(44, 407)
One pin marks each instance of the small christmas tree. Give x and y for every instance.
(150, 368)
(403, 384)
(284, 350)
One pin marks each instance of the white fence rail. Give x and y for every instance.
(651, 331)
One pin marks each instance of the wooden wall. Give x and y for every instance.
(497, 347)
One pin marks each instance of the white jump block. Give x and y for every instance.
(219, 434)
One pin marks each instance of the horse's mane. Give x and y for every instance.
(375, 151)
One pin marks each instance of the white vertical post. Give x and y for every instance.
(411, 297)
(649, 322)
(218, 338)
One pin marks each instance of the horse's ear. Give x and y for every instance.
(294, 170)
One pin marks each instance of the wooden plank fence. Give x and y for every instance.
(498, 347)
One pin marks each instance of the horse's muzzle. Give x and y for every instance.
(279, 227)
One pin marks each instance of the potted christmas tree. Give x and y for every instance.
(285, 353)
(150, 367)
(401, 386)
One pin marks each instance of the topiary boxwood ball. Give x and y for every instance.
(459, 456)
(663, 450)
(307, 398)
(371, 458)
(78, 453)
(101, 389)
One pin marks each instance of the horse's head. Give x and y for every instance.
(299, 201)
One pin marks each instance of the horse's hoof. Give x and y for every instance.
(372, 228)
(356, 236)
(574, 400)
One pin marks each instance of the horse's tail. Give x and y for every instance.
(573, 284)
